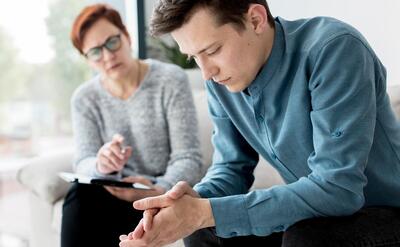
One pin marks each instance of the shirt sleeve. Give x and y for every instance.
(185, 163)
(234, 159)
(343, 116)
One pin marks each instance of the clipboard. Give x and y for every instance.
(84, 179)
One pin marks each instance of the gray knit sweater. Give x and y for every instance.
(158, 121)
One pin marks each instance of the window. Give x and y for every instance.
(40, 71)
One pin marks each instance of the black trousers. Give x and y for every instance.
(369, 227)
(94, 217)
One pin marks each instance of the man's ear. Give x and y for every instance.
(257, 17)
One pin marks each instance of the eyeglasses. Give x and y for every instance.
(112, 44)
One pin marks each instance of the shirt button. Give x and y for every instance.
(274, 156)
(337, 134)
(260, 118)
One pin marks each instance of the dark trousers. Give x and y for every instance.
(372, 226)
(94, 217)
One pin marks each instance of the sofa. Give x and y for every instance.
(47, 190)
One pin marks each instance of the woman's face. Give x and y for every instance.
(107, 50)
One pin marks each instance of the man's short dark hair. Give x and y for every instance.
(169, 15)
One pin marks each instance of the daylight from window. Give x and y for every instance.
(40, 72)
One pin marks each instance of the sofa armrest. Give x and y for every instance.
(40, 175)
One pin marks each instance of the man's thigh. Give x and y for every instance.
(207, 238)
(371, 226)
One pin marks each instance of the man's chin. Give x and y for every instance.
(235, 88)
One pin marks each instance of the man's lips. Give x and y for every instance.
(223, 81)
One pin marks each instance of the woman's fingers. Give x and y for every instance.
(109, 161)
(115, 149)
(112, 157)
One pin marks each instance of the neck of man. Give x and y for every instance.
(267, 44)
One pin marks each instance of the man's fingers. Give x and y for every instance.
(138, 232)
(148, 216)
(180, 189)
(123, 237)
(153, 202)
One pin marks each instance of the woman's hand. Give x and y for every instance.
(112, 157)
(131, 195)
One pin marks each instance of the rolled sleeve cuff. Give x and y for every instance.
(230, 215)
(203, 191)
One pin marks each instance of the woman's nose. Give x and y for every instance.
(107, 55)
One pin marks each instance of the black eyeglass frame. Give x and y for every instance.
(105, 45)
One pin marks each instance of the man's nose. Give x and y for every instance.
(208, 70)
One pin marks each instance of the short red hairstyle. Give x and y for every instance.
(88, 16)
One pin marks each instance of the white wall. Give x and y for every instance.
(377, 20)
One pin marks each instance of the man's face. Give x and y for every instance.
(224, 54)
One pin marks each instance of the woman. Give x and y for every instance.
(135, 120)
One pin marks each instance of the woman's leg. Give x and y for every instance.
(94, 217)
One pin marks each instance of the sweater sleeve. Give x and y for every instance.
(185, 162)
(343, 116)
(87, 136)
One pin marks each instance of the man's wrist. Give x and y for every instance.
(207, 214)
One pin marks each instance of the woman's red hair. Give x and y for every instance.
(88, 16)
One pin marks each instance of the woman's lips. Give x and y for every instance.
(114, 67)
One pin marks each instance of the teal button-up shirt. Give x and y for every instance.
(319, 113)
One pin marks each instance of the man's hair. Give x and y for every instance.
(169, 15)
(88, 16)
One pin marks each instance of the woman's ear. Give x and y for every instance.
(257, 17)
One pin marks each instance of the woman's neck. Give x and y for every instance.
(125, 86)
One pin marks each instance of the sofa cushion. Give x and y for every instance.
(40, 175)
(205, 125)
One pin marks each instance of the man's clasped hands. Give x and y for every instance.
(169, 217)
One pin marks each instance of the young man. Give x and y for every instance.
(310, 97)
